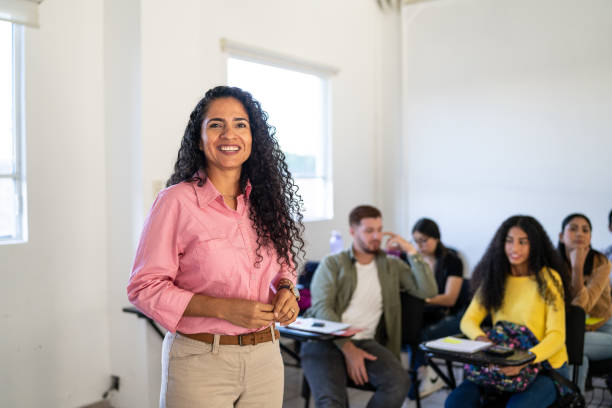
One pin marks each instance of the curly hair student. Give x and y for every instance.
(521, 280)
(216, 260)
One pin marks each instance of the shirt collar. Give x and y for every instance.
(208, 192)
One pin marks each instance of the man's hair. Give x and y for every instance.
(610, 218)
(363, 211)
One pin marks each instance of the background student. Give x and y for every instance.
(590, 288)
(520, 279)
(443, 311)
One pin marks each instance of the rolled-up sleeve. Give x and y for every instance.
(417, 279)
(588, 296)
(151, 286)
(287, 271)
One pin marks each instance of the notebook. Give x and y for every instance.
(458, 345)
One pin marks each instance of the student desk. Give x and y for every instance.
(518, 357)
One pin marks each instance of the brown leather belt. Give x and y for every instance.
(248, 339)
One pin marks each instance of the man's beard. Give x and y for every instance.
(366, 248)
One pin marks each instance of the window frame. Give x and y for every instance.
(325, 73)
(18, 173)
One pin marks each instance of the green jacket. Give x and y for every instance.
(335, 280)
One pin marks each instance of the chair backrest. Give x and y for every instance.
(412, 318)
(305, 277)
(304, 280)
(464, 298)
(574, 333)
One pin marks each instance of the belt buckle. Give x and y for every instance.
(252, 342)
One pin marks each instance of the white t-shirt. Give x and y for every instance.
(365, 307)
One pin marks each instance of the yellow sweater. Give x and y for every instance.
(524, 305)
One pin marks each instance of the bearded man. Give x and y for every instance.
(361, 286)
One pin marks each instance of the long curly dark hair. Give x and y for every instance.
(587, 268)
(275, 206)
(490, 275)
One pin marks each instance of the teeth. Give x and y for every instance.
(229, 148)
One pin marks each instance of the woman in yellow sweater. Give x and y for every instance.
(520, 279)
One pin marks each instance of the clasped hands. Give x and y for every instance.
(251, 314)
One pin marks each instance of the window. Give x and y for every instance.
(297, 102)
(12, 180)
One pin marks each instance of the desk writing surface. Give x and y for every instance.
(302, 335)
(518, 357)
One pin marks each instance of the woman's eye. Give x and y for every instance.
(214, 125)
(242, 125)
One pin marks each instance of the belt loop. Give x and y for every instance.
(272, 331)
(215, 345)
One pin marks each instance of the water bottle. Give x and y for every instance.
(335, 242)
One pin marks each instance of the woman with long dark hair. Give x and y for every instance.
(443, 312)
(216, 261)
(522, 280)
(590, 288)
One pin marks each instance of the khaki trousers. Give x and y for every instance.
(197, 374)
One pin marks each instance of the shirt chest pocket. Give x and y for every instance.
(217, 264)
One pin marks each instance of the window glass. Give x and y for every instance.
(7, 148)
(12, 183)
(297, 105)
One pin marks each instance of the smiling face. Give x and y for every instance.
(226, 135)
(577, 233)
(517, 247)
(367, 235)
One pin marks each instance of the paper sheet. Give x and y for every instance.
(317, 325)
(458, 345)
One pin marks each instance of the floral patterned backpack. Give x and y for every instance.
(516, 337)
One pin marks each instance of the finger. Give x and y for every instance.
(263, 316)
(283, 302)
(364, 374)
(257, 323)
(354, 378)
(265, 307)
(369, 356)
(289, 314)
(357, 377)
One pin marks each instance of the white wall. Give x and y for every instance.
(507, 110)
(54, 346)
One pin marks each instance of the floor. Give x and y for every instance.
(598, 397)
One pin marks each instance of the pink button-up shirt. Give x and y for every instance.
(192, 242)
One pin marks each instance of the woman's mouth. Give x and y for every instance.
(228, 148)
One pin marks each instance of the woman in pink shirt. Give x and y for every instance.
(215, 263)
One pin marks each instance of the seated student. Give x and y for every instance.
(361, 286)
(608, 251)
(520, 279)
(443, 311)
(590, 288)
